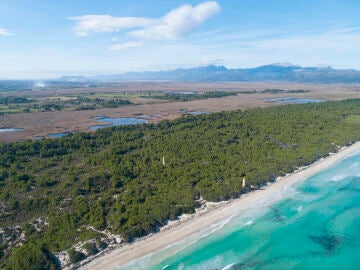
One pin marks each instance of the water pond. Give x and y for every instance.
(295, 100)
(117, 121)
(57, 135)
(10, 129)
(198, 112)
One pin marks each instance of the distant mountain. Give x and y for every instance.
(273, 72)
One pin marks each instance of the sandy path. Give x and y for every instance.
(160, 240)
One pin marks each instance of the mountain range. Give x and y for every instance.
(273, 72)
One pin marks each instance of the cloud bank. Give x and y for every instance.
(177, 23)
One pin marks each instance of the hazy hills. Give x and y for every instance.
(273, 72)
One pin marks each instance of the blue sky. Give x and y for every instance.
(47, 39)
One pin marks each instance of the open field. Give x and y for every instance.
(43, 123)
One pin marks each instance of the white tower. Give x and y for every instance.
(163, 161)
(243, 182)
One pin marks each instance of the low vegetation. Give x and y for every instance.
(189, 96)
(114, 179)
(14, 104)
(93, 101)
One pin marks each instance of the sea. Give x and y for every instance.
(313, 224)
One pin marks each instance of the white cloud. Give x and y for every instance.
(106, 23)
(177, 23)
(124, 46)
(4, 32)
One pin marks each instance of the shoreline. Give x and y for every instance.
(196, 222)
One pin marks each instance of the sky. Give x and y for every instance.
(42, 39)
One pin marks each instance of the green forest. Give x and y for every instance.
(115, 179)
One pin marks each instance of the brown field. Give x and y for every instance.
(43, 123)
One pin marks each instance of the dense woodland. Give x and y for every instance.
(114, 179)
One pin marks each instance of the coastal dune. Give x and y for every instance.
(179, 231)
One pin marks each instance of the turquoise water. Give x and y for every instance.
(312, 225)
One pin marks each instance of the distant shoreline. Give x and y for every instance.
(175, 233)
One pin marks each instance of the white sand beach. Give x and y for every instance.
(178, 231)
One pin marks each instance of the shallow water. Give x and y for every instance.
(57, 135)
(9, 129)
(198, 112)
(295, 100)
(315, 226)
(117, 121)
(36, 138)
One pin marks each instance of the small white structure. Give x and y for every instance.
(243, 182)
(163, 161)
